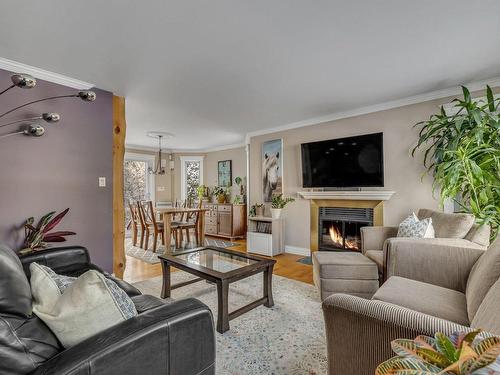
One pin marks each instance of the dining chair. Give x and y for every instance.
(135, 222)
(192, 221)
(152, 224)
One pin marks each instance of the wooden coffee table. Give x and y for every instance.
(222, 267)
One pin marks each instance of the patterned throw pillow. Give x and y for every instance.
(412, 227)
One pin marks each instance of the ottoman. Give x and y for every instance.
(344, 272)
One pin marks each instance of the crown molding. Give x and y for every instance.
(17, 67)
(180, 150)
(415, 99)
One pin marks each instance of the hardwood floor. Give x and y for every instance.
(286, 266)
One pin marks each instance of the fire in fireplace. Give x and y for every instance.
(339, 228)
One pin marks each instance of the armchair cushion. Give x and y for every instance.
(487, 316)
(426, 298)
(448, 225)
(479, 234)
(445, 262)
(376, 256)
(483, 275)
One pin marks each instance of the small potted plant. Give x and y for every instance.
(278, 203)
(221, 194)
(240, 197)
(38, 237)
(257, 210)
(463, 353)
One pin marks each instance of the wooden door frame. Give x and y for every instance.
(119, 131)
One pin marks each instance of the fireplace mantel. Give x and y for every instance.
(364, 195)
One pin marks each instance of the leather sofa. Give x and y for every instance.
(165, 338)
(461, 292)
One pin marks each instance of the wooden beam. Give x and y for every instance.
(119, 128)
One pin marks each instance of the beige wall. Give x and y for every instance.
(171, 181)
(402, 172)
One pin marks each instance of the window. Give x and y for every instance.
(138, 184)
(191, 176)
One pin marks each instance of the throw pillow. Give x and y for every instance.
(412, 227)
(88, 305)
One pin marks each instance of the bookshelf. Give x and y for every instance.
(265, 235)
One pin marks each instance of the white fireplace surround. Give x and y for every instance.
(368, 195)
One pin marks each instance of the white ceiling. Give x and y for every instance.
(212, 71)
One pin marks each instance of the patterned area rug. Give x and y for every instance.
(149, 256)
(287, 339)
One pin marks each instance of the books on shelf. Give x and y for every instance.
(263, 227)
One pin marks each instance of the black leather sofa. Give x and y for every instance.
(165, 338)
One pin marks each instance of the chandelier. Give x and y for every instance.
(159, 168)
(32, 128)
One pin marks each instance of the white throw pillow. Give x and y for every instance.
(412, 227)
(88, 305)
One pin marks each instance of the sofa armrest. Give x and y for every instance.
(359, 331)
(437, 261)
(373, 238)
(177, 338)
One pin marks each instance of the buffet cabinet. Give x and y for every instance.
(225, 220)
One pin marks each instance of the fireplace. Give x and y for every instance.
(339, 227)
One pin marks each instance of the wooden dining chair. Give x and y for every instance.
(153, 226)
(192, 221)
(135, 223)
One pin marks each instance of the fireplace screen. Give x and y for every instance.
(339, 228)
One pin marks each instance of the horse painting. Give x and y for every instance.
(271, 169)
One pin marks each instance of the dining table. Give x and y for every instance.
(167, 213)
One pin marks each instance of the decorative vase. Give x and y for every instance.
(259, 211)
(221, 199)
(276, 213)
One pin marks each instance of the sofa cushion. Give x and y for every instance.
(344, 265)
(426, 298)
(415, 228)
(145, 302)
(483, 275)
(487, 316)
(376, 256)
(448, 225)
(479, 234)
(15, 291)
(89, 305)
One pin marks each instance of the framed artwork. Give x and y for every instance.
(272, 169)
(224, 173)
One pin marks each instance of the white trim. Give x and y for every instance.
(179, 150)
(377, 195)
(184, 159)
(297, 250)
(17, 67)
(420, 98)
(150, 160)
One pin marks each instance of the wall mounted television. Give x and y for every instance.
(344, 162)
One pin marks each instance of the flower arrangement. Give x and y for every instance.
(37, 237)
(462, 353)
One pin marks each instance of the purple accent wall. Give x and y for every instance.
(60, 169)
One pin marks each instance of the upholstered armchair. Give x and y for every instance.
(462, 293)
(455, 234)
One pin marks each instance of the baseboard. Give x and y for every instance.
(297, 250)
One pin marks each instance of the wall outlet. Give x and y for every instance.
(102, 181)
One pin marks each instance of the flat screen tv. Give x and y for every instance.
(344, 162)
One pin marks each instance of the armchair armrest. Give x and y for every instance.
(438, 261)
(175, 338)
(373, 238)
(359, 331)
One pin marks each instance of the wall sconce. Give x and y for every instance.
(26, 81)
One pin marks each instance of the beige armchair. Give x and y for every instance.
(359, 331)
(454, 233)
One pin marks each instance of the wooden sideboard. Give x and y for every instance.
(226, 220)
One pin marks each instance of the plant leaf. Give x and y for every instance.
(446, 347)
(56, 220)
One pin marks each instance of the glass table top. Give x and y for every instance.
(216, 260)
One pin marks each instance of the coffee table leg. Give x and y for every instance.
(222, 308)
(268, 286)
(165, 289)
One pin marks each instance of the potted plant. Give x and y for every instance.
(39, 236)
(220, 193)
(462, 152)
(278, 203)
(462, 354)
(239, 198)
(257, 210)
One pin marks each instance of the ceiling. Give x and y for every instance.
(212, 71)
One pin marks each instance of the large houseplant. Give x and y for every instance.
(278, 203)
(462, 152)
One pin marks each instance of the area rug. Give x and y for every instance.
(306, 260)
(151, 257)
(287, 339)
